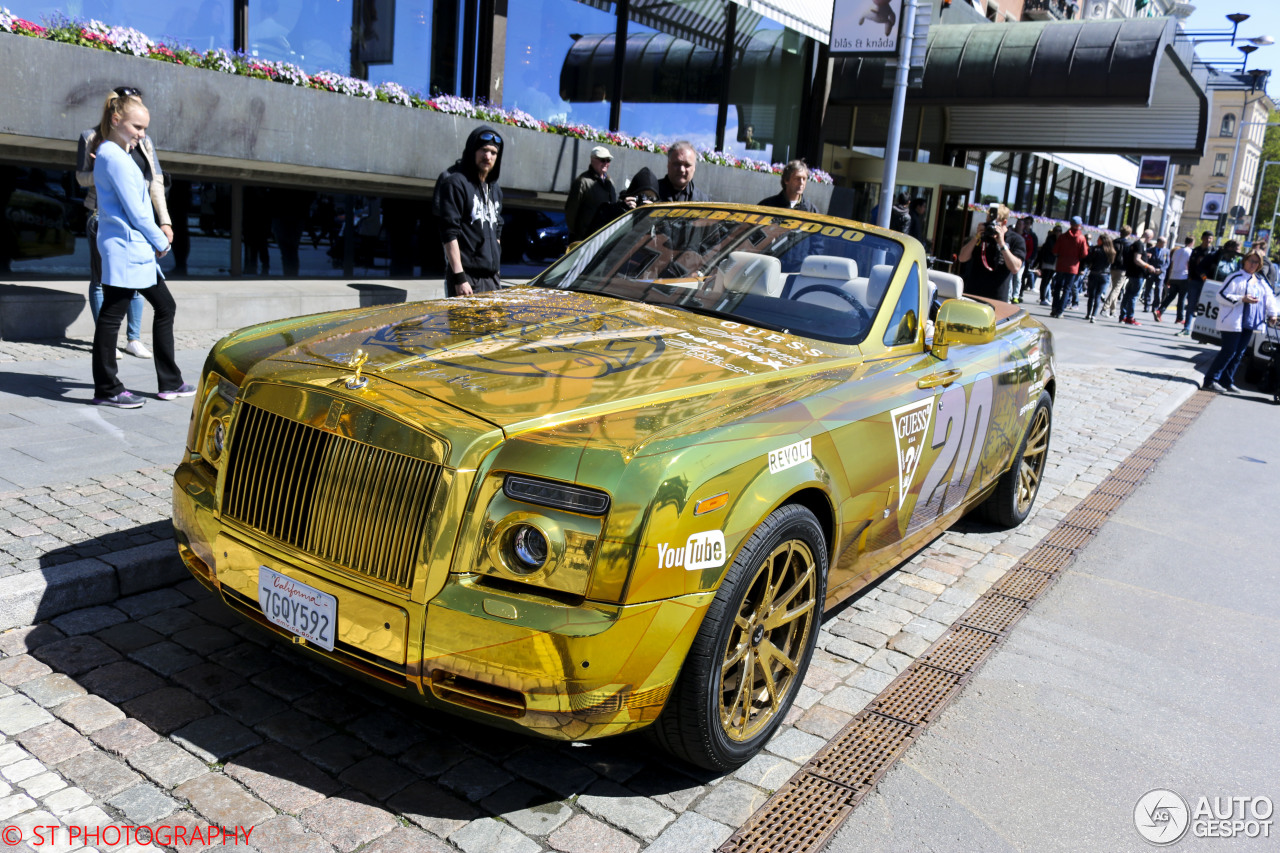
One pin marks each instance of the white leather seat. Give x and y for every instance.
(946, 285)
(748, 272)
(823, 278)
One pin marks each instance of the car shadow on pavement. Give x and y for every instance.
(170, 693)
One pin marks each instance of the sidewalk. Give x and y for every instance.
(158, 708)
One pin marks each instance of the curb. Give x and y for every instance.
(43, 594)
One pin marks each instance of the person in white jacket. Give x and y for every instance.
(1245, 303)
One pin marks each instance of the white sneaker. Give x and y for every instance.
(137, 348)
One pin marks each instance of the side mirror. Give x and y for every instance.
(961, 322)
(569, 248)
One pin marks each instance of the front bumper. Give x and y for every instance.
(512, 657)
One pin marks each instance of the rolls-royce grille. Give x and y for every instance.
(353, 505)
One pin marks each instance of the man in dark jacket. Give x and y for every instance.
(795, 177)
(468, 207)
(590, 190)
(682, 162)
(1197, 271)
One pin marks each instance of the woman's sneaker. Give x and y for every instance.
(123, 400)
(186, 390)
(137, 348)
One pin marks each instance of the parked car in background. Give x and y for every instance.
(619, 497)
(41, 215)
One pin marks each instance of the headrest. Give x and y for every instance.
(949, 285)
(749, 272)
(877, 284)
(829, 266)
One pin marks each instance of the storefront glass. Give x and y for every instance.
(559, 61)
(201, 24)
(768, 75)
(313, 34)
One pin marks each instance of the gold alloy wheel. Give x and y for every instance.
(1033, 459)
(768, 640)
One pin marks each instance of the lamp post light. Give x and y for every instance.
(1236, 19)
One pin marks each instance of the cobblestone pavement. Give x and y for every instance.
(164, 710)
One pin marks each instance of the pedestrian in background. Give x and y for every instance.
(1033, 246)
(995, 253)
(1048, 261)
(1158, 258)
(590, 190)
(1137, 268)
(1225, 261)
(130, 243)
(468, 206)
(1118, 271)
(1245, 303)
(1197, 271)
(682, 162)
(642, 190)
(1179, 264)
(795, 177)
(1098, 264)
(1070, 249)
(144, 155)
(1268, 270)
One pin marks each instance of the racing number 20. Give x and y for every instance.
(960, 429)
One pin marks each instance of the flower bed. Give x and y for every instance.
(97, 35)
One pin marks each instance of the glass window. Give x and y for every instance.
(764, 112)
(904, 324)
(1220, 165)
(407, 59)
(559, 62)
(313, 34)
(738, 267)
(671, 89)
(1228, 125)
(202, 24)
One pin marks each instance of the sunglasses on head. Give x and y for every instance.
(490, 138)
(127, 92)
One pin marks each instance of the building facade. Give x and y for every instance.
(349, 181)
(1224, 182)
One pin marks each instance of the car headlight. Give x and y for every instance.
(529, 548)
(211, 418)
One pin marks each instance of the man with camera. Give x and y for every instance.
(994, 254)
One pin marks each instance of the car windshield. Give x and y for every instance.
(776, 270)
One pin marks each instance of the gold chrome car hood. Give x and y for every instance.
(531, 357)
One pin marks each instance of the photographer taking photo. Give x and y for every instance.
(642, 190)
(994, 255)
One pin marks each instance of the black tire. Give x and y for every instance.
(786, 554)
(1011, 502)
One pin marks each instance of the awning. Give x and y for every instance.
(810, 17)
(1108, 168)
(1109, 86)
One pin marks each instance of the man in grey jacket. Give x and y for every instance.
(590, 190)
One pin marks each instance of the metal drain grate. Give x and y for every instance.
(861, 753)
(803, 815)
(994, 613)
(1023, 583)
(914, 696)
(961, 650)
(800, 817)
(1069, 536)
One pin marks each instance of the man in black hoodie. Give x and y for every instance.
(468, 206)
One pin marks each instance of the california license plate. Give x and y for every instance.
(298, 608)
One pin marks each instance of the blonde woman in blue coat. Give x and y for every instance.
(130, 243)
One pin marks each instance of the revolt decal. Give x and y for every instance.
(700, 551)
(910, 423)
(790, 456)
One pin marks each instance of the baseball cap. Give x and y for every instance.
(1076, 220)
(601, 153)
